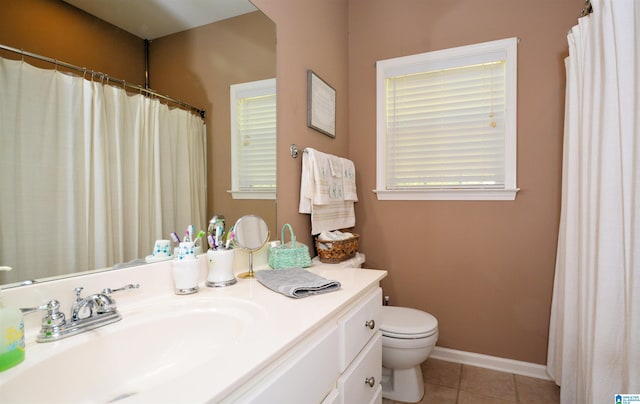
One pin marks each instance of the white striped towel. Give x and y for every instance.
(334, 216)
(324, 181)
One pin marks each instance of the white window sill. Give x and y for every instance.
(447, 195)
(253, 194)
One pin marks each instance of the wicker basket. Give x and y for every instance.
(334, 251)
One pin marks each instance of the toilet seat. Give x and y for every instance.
(407, 323)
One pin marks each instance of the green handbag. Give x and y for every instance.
(289, 255)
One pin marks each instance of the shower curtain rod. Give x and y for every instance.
(106, 77)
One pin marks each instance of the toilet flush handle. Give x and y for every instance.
(371, 324)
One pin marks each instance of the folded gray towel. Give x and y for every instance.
(295, 282)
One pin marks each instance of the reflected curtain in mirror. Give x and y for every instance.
(128, 157)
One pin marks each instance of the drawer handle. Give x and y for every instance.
(371, 324)
(371, 381)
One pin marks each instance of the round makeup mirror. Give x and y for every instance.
(250, 233)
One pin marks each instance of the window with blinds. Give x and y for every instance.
(253, 140)
(446, 124)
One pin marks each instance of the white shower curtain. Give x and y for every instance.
(90, 176)
(594, 341)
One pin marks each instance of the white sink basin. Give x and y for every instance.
(149, 347)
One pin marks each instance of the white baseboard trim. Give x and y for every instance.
(491, 362)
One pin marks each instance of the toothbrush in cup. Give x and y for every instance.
(212, 242)
(198, 236)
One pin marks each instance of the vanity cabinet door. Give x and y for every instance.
(332, 398)
(307, 377)
(358, 326)
(361, 382)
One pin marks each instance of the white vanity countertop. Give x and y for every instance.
(284, 322)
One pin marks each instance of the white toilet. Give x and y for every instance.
(408, 337)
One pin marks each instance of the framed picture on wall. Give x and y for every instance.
(321, 105)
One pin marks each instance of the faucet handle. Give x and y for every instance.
(106, 303)
(108, 291)
(54, 318)
(78, 290)
(50, 305)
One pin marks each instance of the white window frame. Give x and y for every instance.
(238, 92)
(505, 49)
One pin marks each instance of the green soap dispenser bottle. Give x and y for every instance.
(11, 335)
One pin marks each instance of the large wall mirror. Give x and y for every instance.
(196, 65)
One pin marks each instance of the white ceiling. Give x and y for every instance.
(150, 19)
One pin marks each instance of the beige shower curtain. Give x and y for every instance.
(90, 176)
(594, 339)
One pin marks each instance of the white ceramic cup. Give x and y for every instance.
(220, 264)
(186, 251)
(185, 276)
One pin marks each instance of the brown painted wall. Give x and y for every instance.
(57, 30)
(311, 34)
(198, 66)
(484, 269)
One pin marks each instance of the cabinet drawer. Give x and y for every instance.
(361, 382)
(358, 326)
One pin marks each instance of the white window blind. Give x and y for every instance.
(253, 131)
(446, 124)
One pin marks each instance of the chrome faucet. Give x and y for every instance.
(87, 313)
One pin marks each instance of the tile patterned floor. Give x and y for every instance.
(448, 382)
